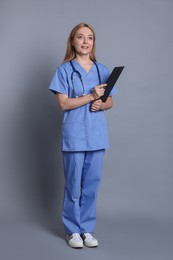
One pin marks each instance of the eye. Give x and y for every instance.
(79, 37)
(90, 38)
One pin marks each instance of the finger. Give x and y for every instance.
(94, 110)
(101, 91)
(102, 85)
(98, 101)
(94, 107)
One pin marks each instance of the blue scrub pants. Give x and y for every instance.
(82, 172)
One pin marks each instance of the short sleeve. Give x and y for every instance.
(59, 83)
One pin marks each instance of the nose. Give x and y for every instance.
(85, 40)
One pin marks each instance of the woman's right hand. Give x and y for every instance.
(99, 91)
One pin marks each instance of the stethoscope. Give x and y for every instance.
(80, 77)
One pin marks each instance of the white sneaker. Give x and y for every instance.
(74, 240)
(89, 240)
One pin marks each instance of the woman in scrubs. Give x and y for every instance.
(78, 83)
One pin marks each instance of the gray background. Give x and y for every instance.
(135, 208)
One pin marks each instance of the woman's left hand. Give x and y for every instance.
(96, 105)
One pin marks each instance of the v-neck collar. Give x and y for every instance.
(82, 68)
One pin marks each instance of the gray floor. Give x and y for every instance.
(122, 239)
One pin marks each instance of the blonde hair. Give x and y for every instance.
(70, 51)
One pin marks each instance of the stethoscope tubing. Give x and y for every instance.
(80, 77)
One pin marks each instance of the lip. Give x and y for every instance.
(84, 47)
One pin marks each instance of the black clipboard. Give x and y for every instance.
(111, 82)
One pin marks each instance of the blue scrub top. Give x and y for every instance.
(82, 129)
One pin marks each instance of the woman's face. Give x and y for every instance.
(83, 41)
